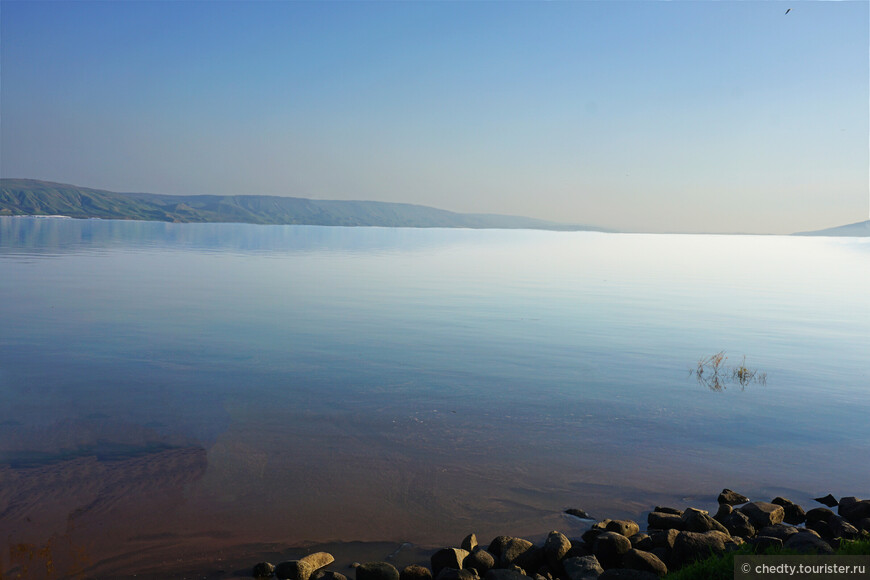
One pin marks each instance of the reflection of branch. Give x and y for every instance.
(713, 374)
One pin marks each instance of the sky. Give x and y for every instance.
(703, 116)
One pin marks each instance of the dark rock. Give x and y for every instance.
(700, 521)
(738, 524)
(627, 574)
(521, 553)
(330, 575)
(807, 543)
(582, 568)
(780, 531)
(627, 528)
(579, 548)
(641, 541)
(762, 543)
(794, 514)
(645, 561)
(502, 574)
(692, 546)
(479, 560)
(496, 546)
(723, 512)
(818, 515)
(415, 572)
(263, 570)
(447, 558)
(854, 511)
(668, 510)
(609, 547)
(732, 497)
(457, 574)
(578, 513)
(469, 543)
(863, 524)
(762, 513)
(376, 571)
(842, 528)
(555, 548)
(664, 555)
(664, 521)
(663, 538)
(828, 500)
(303, 568)
(590, 535)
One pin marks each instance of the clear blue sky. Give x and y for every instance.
(657, 116)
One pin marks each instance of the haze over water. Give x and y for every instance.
(291, 383)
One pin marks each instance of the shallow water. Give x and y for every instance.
(188, 384)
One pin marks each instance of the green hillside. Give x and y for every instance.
(32, 197)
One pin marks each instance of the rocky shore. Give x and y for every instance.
(618, 548)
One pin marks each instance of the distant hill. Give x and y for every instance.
(857, 229)
(33, 197)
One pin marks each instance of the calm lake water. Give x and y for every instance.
(183, 383)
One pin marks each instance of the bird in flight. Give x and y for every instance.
(787, 11)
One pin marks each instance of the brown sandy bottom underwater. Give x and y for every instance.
(252, 496)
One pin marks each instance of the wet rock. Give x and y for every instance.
(732, 497)
(808, 543)
(469, 543)
(479, 560)
(664, 521)
(794, 514)
(762, 543)
(376, 571)
(415, 572)
(582, 568)
(700, 521)
(842, 528)
(263, 570)
(762, 513)
(828, 500)
(555, 548)
(738, 524)
(447, 558)
(502, 574)
(818, 515)
(627, 574)
(578, 513)
(645, 561)
(625, 527)
(521, 553)
(692, 546)
(723, 512)
(609, 547)
(668, 510)
(780, 531)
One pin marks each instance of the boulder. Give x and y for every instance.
(330, 575)
(732, 497)
(263, 570)
(663, 538)
(641, 541)
(664, 521)
(555, 548)
(808, 543)
(780, 531)
(700, 521)
(503, 574)
(762, 543)
(579, 548)
(479, 560)
(522, 553)
(496, 546)
(762, 513)
(447, 558)
(627, 528)
(469, 543)
(376, 571)
(738, 524)
(668, 510)
(692, 546)
(828, 500)
(627, 574)
(609, 547)
(854, 509)
(863, 524)
(841, 528)
(303, 568)
(645, 561)
(415, 572)
(818, 515)
(723, 512)
(582, 568)
(794, 514)
(457, 574)
(592, 533)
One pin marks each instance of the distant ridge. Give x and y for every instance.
(34, 197)
(858, 229)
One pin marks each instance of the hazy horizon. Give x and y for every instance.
(650, 116)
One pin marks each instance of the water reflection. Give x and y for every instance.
(713, 373)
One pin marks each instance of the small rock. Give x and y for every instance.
(668, 510)
(762, 543)
(415, 572)
(828, 500)
(863, 524)
(645, 561)
(609, 547)
(479, 560)
(732, 497)
(641, 541)
(263, 570)
(807, 543)
(627, 528)
(522, 553)
(842, 528)
(794, 514)
(738, 524)
(822, 529)
(469, 543)
(496, 546)
(664, 521)
(447, 558)
(330, 575)
(692, 546)
(780, 531)
(293, 570)
(582, 568)
(556, 547)
(700, 521)
(456, 574)
(818, 515)
(376, 571)
(663, 538)
(723, 512)
(578, 513)
(762, 513)
(854, 510)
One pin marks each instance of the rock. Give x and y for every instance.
(828, 500)
(641, 539)
(609, 547)
(457, 574)
(627, 574)
(738, 524)
(818, 515)
(521, 553)
(762, 543)
(415, 572)
(762, 513)
(780, 531)
(732, 497)
(645, 561)
(854, 509)
(807, 543)
(822, 529)
(700, 521)
(842, 528)
(794, 514)
(303, 568)
(447, 558)
(555, 548)
(582, 568)
(479, 560)
(664, 521)
(578, 513)
(469, 543)
(627, 528)
(723, 512)
(263, 570)
(863, 524)
(579, 548)
(663, 538)
(692, 546)
(376, 571)
(668, 510)
(590, 535)
(330, 575)
(664, 555)
(502, 574)
(496, 546)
